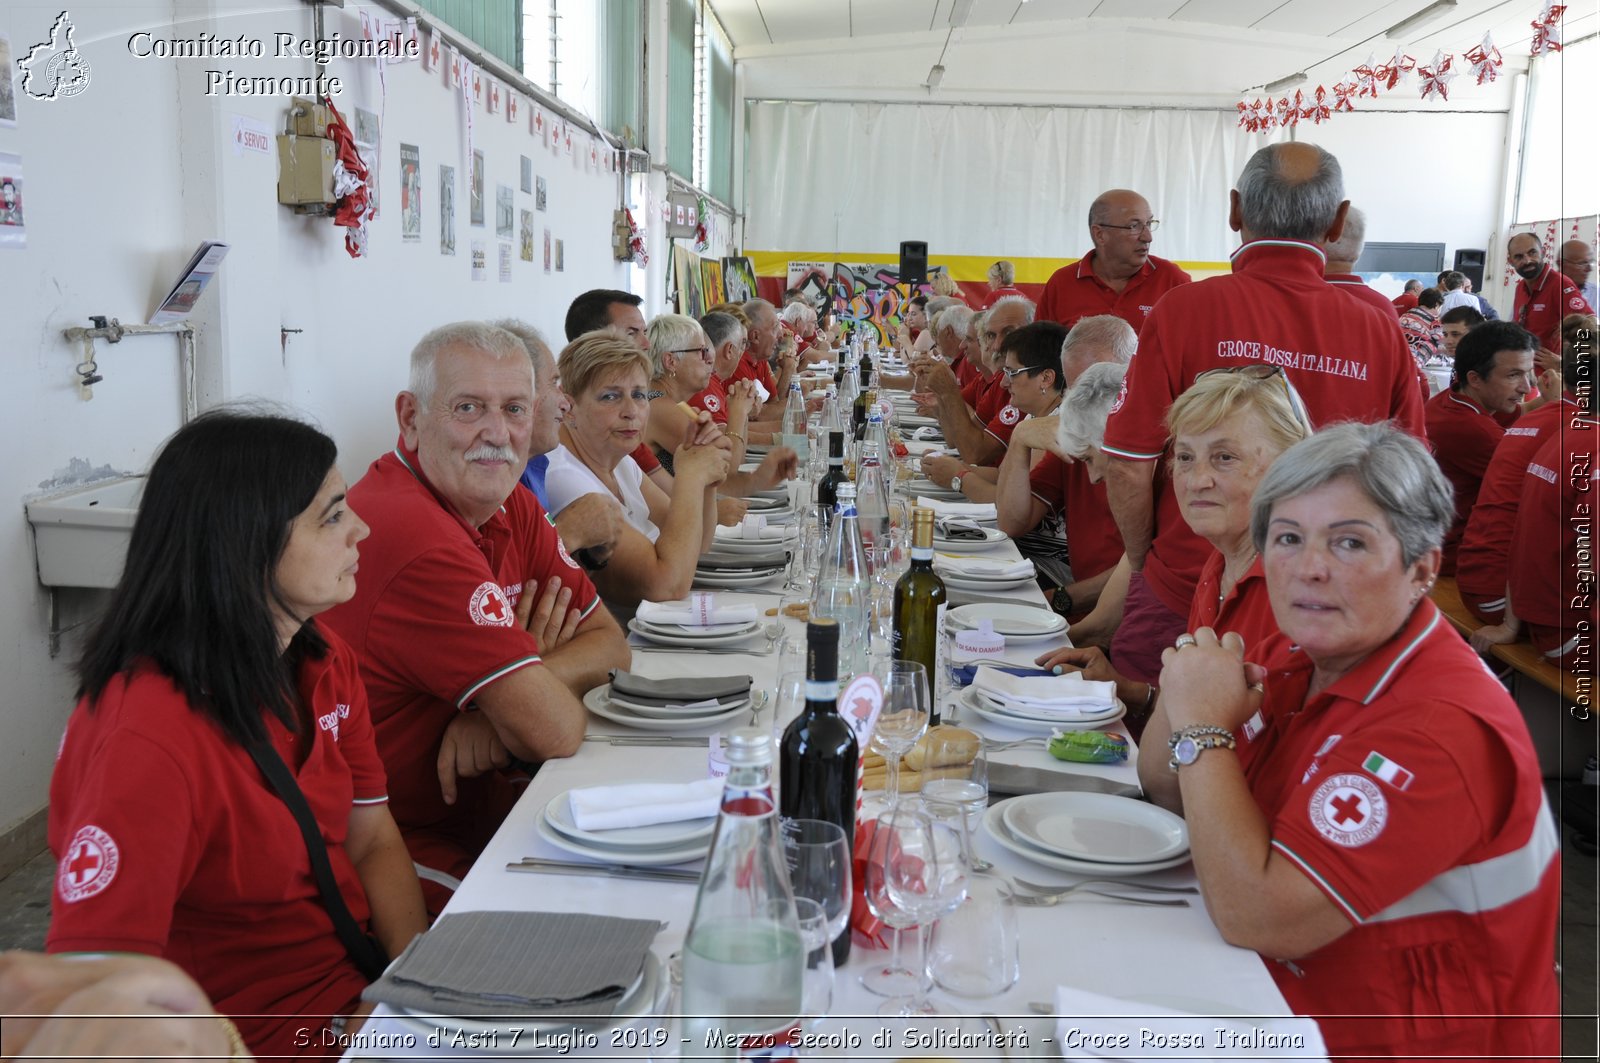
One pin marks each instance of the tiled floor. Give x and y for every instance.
(25, 916)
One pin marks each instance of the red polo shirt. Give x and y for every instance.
(1404, 301)
(433, 621)
(172, 843)
(713, 399)
(1002, 424)
(1556, 516)
(1485, 548)
(1093, 542)
(1245, 609)
(1345, 363)
(986, 395)
(1001, 293)
(646, 458)
(965, 371)
(1464, 437)
(752, 368)
(1408, 792)
(1074, 292)
(1349, 282)
(1543, 302)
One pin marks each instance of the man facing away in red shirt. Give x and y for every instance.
(1119, 276)
(1340, 267)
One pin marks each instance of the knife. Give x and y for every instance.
(1025, 779)
(650, 740)
(563, 867)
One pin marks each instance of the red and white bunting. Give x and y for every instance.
(513, 101)
(1485, 59)
(477, 86)
(494, 94)
(1342, 93)
(1366, 76)
(432, 53)
(1436, 76)
(1395, 70)
(455, 68)
(1318, 111)
(1546, 31)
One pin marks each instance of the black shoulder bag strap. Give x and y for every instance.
(363, 947)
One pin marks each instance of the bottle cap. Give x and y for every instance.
(748, 746)
(983, 642)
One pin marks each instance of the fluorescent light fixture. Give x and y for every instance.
(935, 76)
(959, 12)
(1285, 83)
(1433, 11)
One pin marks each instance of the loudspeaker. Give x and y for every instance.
(1471, 262)
(913, 262)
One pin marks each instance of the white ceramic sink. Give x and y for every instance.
(81, 537)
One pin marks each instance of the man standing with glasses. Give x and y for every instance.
(1344, 359)
(1120, 276)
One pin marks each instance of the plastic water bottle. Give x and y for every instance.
(844, 589)
(872, 502)
(831, 421)
(743, 960)
(794, 421)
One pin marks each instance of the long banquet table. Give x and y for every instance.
(1168, 957)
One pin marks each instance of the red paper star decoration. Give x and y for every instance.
(1394, 71)
(1436, 77)
(1546, 34)
(1485, 59)
(1342, 93)
(1366, 79)
(1319, 111)
(1289, 113)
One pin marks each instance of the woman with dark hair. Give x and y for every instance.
(206, 678)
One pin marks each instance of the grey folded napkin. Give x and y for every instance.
(1024, 779)
(678, 691)
(742, 562)
(762, 504)
(518, 963)
(958, 529)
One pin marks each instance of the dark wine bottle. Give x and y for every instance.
(858, 413)
(817, 760)
(919, 601)
(828, 486)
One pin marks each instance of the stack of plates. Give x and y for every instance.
(1090, 834)
(992, 537)
(659, 718)
(659, 843)
(1036, 721)
(915, 420)
(734, 569)
(971, 582)
(694, 635)
(921, 485)
(1018, 623)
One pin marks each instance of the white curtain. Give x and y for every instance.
(1561, 156)
(1018, 181)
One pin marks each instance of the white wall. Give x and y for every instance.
(123, 181)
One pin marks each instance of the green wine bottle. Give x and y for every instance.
(919, 602)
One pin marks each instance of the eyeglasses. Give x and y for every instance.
(1133, 226)
(1012, 374)
(703, 352)
(1262, 371)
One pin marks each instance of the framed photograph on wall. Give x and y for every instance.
(447, 210)
(410, 194)
(526, 235)
(477, 188)
(505, 211)
(540, 197)
(527, 174)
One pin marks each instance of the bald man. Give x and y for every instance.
(1575, 261)
(1544, 294)
(1119, 276)
(1340, 267)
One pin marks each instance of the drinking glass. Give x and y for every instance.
(818, 855)
(791, 697)
(904, 716)
(925, 878)
(816, 985)
(955, 781)
(975, 949)
(891, 978)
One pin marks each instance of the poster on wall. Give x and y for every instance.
(868, 295)
(811, 279)
(526, 234)
(527, 174)
(505, 211)
(410, 194)
(506, 255)
(561, 256)
(8, 95)
(547, 250)
(711, 289)
(687, 274)
(541, 197)
(366, 128)
(197, 273)
(477, 188)
(480, 261)
(13, 233)
(739, 276)
(447, 210)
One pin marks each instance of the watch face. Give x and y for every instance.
(1185, 751)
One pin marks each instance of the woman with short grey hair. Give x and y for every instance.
(1364, 802)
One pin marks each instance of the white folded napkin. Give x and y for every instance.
(978, 568)
(641, 804)
(974, 510)
(1114, 1021)
(928, 431)
(1070, 693)
(762, 394)
(755, 526)
(699, 610)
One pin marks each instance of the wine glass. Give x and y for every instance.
(974, 951)
(955, 782)
(924, 878)
(818, 855)
(816, 984)
(891, 978)
(904, 716)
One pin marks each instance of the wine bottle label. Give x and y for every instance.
(941, 659)
(923, 553)
(822, 690)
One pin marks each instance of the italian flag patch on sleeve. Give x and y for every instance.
(1387, 770)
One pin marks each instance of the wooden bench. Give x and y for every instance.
(1520, 656)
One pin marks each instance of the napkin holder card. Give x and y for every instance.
(983, 641)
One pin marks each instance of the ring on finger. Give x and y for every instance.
(1184, 642)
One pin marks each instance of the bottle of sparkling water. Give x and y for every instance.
(843, 588)
(794, 421)
(872, 502)
(743, 960)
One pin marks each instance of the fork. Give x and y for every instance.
(1001, 747)
(1050, 900)
(1114, 883)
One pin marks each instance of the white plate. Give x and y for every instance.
(981, 583)
(598, 703)
(656, 836)
(637, 857)
(695, 631)
(1012, 621)
(971, 700)
(736, 579)
(916, 420)
(921, 485)
(994, 823)
(688, 716)
(750, 546)
(1012, 710)
(495, 1036)
(667, 638)
(992, 537)
(1100, 827)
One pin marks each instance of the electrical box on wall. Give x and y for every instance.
(307, 118)
(305, 170)
(621, 234)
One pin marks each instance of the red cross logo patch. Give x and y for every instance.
(1010, 415)
(88, 865)
(1122, 396)
(489, 606)
(1349, 810)
(712, 403)
(1576, 304)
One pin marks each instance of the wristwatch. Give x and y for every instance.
(1189, 742)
